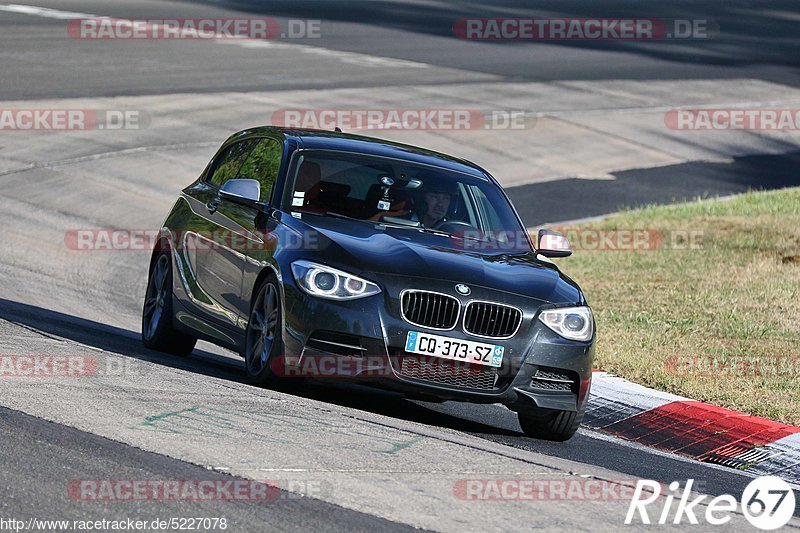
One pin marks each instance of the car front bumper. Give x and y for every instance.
(364, 339)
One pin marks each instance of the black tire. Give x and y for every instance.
(263, 342)
(158, 332)
(548, 424)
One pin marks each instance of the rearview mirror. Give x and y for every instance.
(551, 243)
(242, 191)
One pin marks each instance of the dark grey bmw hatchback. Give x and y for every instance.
(321, 254)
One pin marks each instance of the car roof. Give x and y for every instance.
(333, 140)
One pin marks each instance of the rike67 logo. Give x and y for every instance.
(767, 503)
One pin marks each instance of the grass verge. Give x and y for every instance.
(700, 299)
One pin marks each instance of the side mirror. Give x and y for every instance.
(551, 243)
(241, 191)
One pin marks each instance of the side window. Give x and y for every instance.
(228, 162)
(263, 164)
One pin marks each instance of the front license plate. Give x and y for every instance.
(456, 349)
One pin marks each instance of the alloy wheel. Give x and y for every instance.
(262, 329)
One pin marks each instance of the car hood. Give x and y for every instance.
(363, 249)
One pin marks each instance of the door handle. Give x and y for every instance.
(212, 206)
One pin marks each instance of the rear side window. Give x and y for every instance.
(227, 164)
(263, 164)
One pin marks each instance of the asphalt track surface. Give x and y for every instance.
(42, 457)
(55, 302)
(33, 456)
(756, 40)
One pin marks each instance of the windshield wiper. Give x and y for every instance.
(334, 214)
(339, 215)
(416, 228)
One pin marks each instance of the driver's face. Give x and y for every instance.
(438, 203)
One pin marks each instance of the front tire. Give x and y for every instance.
(549, 424)
(157, 330)
(264, 344)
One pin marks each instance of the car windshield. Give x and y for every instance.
(395, 192)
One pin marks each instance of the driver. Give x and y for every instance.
(437, 199)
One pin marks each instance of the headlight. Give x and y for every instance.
(574, 323)
(326, 282)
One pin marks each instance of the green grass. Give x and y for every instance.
(736, 296)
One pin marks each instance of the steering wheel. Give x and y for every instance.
(454, 226)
